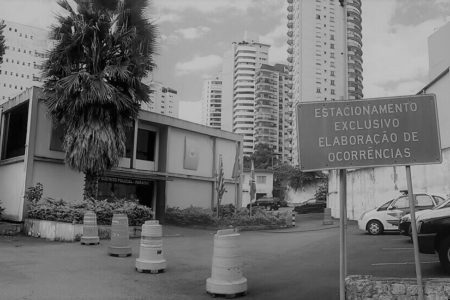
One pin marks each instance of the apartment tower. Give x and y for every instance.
(26, 50)
(248, 56)
(273, 110)
(163, 100)
(316, 50)
(212, 102)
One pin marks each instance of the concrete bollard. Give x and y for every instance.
(90, 229)
(151, 258)
(120, 236)
(293, 218)
(327, 216)
(226, 274)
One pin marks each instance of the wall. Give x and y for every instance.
(227, 149)
(368, 287)
(58, 181)
(370, 187)
(43, 134)
(305, 193)
(12, 188)
(185, 192)
(175, 148)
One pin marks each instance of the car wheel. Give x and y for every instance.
(444, 254)
(374, 227)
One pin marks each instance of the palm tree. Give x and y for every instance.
(92, 80)
(2, 41)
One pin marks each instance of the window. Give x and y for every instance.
(332, 46)
(401, 203)
(423, 200)
(57, 138)
(333, 92)
(332, 73)
(15, 131)
(261, 179)
(332, 82)
(438, 200)
(146, 142)
(318, 17)
(318, 90)
(129, 134)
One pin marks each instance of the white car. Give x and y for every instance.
(405, 221)
(387, 216)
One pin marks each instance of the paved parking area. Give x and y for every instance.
(290, 264)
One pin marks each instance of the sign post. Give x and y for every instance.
(368, 133)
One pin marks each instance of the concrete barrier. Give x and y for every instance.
(369, 287)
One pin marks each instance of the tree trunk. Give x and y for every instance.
(90, 186)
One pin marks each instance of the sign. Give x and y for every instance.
(366, 133)
(132, 181)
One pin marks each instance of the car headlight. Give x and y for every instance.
(419, 226)
(362, 216)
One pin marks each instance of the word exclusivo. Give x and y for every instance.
(365, 110)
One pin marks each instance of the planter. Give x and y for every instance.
(67, 232)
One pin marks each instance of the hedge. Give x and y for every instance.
(72, 212)
(228, 217)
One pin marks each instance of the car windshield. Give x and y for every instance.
(443, 205)
(386, 205)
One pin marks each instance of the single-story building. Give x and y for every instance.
(168, 163)
(264, 184)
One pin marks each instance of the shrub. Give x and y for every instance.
(205, 217)
(73, 212)
(34, 193)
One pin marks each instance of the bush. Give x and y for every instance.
(73, 212)
(1, 210)
(205, 217)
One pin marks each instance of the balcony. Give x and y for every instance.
(290, 33)
(290, 24)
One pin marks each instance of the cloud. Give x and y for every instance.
(198, 64)
(278, 54)
(192, 33)
(168, 17)
(414, 12)
(395, 56)
(275, 37)
(190, 111)
(37, 13)
(204, 6)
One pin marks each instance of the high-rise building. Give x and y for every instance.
(212, 102)
(273, 110)
(248, 56)
(317, 44)
(163, 100)
(26, 50)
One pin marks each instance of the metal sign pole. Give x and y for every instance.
(343, 228)
(414, 232)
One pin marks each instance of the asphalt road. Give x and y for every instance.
(277, 265)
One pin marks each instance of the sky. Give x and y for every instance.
(194, 35)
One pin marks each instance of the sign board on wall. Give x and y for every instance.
(372, 132)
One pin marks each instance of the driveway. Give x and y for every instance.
(291, 264)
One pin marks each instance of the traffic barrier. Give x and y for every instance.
(226, 272)
(151, 258)
(90, 229)
(327, 216)
(120, 236)
(293, 218)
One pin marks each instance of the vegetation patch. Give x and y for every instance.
(229, 216)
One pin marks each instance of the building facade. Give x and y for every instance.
(26, 48)
(168, 163)
(248, 56)
(163, 100)
(273, 110)
(212, 103)
(264, 185)
(317, 43)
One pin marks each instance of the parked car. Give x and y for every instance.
(405, 222)
(387, 216)
(434, 236)
(311, 205)
(266, 202)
